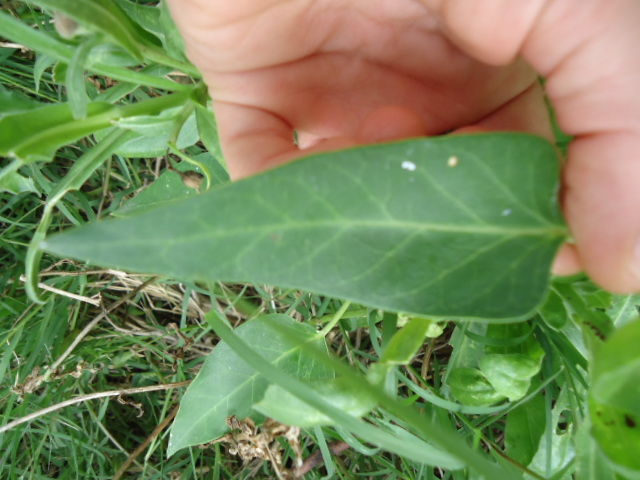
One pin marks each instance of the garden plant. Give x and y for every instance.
(377, 312)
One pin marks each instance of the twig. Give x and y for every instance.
(85, 331)
(143, 446)
(316, 459)
(91, 396)
(64, 293)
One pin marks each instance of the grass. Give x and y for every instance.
(125, 346)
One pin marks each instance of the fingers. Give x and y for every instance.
(255, 140)
(587, 50)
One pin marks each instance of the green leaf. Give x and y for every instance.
(226, 385)
(525, 427)
(595, 324)
(14, 102)
(618, 433)
(450, 450)
(616, 370)
(624, 309)
(286, 408)
(471, 388)
(509, 373)
(406, 342)
(104, 16)
(155, 132)
(591, 464)
(75, 78)
(15, 183)
(35, 135)
(554, 312)
(394, 226)
(169, 187)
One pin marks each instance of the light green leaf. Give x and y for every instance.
(525, 426)
(75, 78)
(624, 309)
(154, 133)
(591, 464)
(104, 16)
(618, 433)
(396, 226)
(553, 312)
(406, 342)
(471, 388)
(226, 385)
(15, 183)
(35, 135)
(616, 370)
(14, 102)
(509, 373)
(286, 408)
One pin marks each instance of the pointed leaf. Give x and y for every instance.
(462, 226)
(226, 385)
(286, 408)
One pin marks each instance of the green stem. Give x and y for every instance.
(336, 318)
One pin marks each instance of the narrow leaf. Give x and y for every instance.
(398, 226)
(104, 16)
(35, 135)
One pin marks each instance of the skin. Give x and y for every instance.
(344, 73)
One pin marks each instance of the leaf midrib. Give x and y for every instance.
(543, 231)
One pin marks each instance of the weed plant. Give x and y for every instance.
(102, 116)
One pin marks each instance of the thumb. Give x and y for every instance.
(587, 51)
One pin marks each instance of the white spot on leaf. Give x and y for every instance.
(407, 165)
(453, 161)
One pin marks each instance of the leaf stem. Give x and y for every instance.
(336, 318)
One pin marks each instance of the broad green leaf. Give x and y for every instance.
(286, 408)
(35, 135)
(509, 373)
(226, 385)
(471, 388)
(616, 370)
(399, 226)
(618, 433)
(104, 16)
(525, 427)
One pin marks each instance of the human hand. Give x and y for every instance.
(376, 70)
